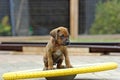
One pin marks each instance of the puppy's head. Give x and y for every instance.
(60, 35)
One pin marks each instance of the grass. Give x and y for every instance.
(97, 38)
(81, 38)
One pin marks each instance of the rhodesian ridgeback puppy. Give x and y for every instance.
(56, 49)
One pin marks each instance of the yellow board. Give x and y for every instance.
(59, 72)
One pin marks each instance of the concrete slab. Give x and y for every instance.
(24, 62)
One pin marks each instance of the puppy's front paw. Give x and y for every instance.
(50, 68)
(60, 67)
(69, 66)
(45, 68)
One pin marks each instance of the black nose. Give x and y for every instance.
(67, 42)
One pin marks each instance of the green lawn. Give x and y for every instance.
(95, 40)
(104, 38)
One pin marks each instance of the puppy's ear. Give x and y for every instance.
(54, 33)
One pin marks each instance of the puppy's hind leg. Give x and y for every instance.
(59, 64)
(45, 64)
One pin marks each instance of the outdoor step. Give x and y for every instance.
(41, 51)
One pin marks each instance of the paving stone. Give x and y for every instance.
(10, 63)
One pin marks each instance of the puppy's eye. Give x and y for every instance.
(62, 36)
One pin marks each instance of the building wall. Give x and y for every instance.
(86, 15)
(41, 16)
(4, 8)
(21, 17)
(5, 28)
(46, 15)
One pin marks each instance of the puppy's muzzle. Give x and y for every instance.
(67, 42)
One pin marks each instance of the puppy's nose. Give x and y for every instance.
(67, 42)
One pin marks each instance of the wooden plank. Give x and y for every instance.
(74, 18)
(71, 43)
(93, 48)
(104, 50)
(6, 47)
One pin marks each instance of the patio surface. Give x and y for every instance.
(25, 62)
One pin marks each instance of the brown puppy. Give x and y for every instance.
(56, 49)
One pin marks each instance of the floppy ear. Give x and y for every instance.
(54, 33)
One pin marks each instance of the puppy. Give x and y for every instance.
(56, 49)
